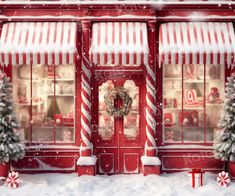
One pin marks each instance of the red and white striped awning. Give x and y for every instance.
(45, 43)
(119, 43)
(197, 43)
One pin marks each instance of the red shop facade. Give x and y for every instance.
(172, 60)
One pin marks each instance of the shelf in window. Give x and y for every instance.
(193, 81)
(173, 109)
(166, 78)
(213, 80)
(215, 104)
(193, 108)
(61, 79)
(185, 108)
(174, 125)
(61, 95)
(28, 104)
(28, 80)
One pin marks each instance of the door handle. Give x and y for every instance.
(94, 128)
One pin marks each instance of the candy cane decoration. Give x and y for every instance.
(150, 111)
(223, 179)
(2, 74)
(86, 106)
(13, 180)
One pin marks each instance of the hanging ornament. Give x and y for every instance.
(223, 179)
(13, 179)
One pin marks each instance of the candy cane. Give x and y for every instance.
(150, 109)
(13, 180)
(223, 179)
(86, 106)
(2, 74)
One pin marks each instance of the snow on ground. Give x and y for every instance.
(176, 184)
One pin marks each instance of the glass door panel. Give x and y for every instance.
(131, 121)
(106, 121)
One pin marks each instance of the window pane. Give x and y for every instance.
(64, 103)
(131, 121)
(21, 97)
(51, 102)
(172, 102)
(106, 122)
(214, 98)
(42, 127)
(193, 105)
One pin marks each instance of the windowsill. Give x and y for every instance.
(185, 146)
(35, 147)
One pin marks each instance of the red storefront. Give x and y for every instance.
(66, 59)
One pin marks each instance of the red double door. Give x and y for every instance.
(118, 141)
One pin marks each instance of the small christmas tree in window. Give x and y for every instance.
(53, 109)
(224, 144)
(11, 145)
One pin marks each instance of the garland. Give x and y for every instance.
(113, 94)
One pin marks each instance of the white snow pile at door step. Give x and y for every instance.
(176, 184)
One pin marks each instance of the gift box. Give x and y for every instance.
(188, 118)
(196, 177)
(168, 119)
(58, 119)
(214, 95)
(68, 121)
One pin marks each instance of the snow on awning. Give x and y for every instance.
(197, 43)
(45, 43)
(119, 43)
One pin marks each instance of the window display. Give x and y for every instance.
(44, 99)
(192, 102)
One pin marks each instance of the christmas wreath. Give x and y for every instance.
(113, 94)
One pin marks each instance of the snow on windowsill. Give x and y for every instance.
(150, 160)
(87, 160)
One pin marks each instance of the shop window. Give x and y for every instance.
(193, 98)
(44, 101)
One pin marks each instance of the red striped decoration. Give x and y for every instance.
(197, 43)
(119, 43)
(43, 43)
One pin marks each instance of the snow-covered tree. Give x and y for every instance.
(224, 143)
(11, 145)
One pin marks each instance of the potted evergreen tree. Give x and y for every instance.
(224, 143)
(12, 147)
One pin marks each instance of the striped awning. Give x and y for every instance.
(45, 43)
(119, 43)
(197, 43)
